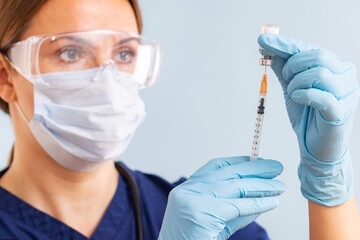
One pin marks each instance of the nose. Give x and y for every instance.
(107, 65)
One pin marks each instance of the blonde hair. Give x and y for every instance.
(15, 18)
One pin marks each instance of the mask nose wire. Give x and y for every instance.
(107, 64)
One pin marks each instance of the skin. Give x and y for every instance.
(77, 199)
(80, 199)
(336, 223)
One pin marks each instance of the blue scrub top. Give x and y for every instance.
(19, 220)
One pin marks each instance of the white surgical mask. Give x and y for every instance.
(84, 118)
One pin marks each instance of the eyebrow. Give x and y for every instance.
(123, 41)
(72, 38)
(83, 41)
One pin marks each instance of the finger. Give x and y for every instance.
(284, 46)
(266, 169)
(229, 209)
(234, 225)
(239, 188)
(315, 58)
(277, 67)
(320, 100)
(218, 163)
(321, 78)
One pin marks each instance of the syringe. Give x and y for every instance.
(259, 118)
(266, 60)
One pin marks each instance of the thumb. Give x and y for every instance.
(218, 163)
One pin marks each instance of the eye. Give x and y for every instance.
(69, 55)
(125, 56)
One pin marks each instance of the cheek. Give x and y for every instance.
(25, 95)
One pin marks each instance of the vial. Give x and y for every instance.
(267, 57)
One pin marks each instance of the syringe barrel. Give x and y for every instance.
(258, 127)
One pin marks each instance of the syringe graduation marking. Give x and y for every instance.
(259, 118)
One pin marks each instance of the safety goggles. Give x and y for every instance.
(77, 51)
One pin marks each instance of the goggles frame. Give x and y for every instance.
(23, 56)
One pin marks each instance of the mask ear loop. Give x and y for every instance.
(21, 112)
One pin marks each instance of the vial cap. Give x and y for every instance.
(269, 28)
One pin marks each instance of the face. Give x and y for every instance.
(58, 16)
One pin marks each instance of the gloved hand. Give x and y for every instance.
(321, 94)
(221, 197)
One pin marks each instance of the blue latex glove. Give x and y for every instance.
(221, 197)
(321, 94)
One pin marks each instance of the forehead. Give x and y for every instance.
(58, 16)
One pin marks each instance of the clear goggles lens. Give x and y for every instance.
(79, 51)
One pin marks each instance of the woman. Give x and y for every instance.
(70, 71)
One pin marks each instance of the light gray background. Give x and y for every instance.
(204, 103)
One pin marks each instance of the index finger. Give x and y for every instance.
(218, 163)
(284, 46)
(260, 168)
